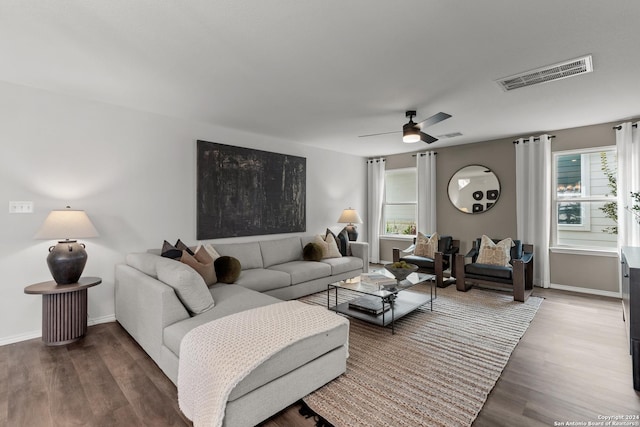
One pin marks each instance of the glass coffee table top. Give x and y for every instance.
(382, 299)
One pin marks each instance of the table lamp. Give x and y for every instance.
(67, 259)
(350, 216)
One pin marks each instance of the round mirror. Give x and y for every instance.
(474, 189)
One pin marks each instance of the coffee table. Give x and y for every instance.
(396, 299)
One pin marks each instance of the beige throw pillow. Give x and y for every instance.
(426, 246)
(211, 250)
(329, 246)
(495, 253)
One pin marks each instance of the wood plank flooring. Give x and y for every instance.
(571, 365)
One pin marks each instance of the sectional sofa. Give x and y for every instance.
(272, 271)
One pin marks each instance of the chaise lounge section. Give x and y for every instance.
(154, 315)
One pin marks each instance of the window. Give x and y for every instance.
(584, 198)
(400, 204)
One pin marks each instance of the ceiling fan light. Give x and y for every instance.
(411, 135)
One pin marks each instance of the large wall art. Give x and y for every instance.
(247, 192)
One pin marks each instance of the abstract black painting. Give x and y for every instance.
(247, 192)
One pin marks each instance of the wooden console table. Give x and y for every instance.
(64, 309)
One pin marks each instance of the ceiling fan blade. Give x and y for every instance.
(376, 134)
(427, 138)
(436, 118)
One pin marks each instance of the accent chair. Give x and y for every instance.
(517, 276)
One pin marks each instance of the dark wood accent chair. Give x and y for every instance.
(517, 277)
(442, 260)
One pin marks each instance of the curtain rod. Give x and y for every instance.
(424, 154)
(635, 125)
(535, 139)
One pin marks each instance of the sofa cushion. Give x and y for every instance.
(280, 251)
(233, 299)
(303, 271)
(262, 280)
(497, 271)
(343, 264)
(187, 283)
(248, 253)
(227, 268)
(229, 299)
(144, 262)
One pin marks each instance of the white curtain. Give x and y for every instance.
(533, 201)
(375, 188)
(628, 151)
(426, 176)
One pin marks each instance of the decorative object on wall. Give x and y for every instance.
(474, 189)
(350, 217)
(247, 192)
(67, 259)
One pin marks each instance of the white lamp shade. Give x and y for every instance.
(66, 224)
(350, 216)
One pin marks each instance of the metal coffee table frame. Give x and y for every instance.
(400, 299)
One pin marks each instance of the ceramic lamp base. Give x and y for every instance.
(352, 231)
(66, 261)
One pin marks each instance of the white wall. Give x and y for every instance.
(134, 174)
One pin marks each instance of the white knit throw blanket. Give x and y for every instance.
(216, 356)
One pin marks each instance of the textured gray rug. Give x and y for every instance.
(437, 370)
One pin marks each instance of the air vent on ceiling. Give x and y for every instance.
(562, 70)
(449, 135)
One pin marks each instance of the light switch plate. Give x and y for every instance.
(21, 207)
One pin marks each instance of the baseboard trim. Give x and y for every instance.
(37, 334)
(589, 291)
(103, 319)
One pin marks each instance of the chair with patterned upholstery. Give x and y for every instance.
(514, 273)
(443, 259)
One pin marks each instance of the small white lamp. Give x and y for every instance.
(350, 216)
(67, 259)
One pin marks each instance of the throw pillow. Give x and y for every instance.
(188, 285)
(202, 263)
(495, 253)
(329, 246)
(170, 251)
(342, 240)
(227, 268)
(212, 251)
(183, 247)
(312, 252)
(426, 246)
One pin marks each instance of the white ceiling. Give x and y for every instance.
(323, 72)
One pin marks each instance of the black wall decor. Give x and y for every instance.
(247, 192)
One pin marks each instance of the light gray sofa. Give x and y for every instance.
(272, 270)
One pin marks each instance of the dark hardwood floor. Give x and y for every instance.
(571, 365)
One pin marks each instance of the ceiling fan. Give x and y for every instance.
(412, 132)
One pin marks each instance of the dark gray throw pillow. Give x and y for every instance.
(183, 247)
(170, 251)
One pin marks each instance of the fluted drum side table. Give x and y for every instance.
(64, 309)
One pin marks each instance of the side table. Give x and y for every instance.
(64, 309)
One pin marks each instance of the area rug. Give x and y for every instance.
(437, 370)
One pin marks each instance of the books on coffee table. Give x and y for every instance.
(377, 279)
(369, 304)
